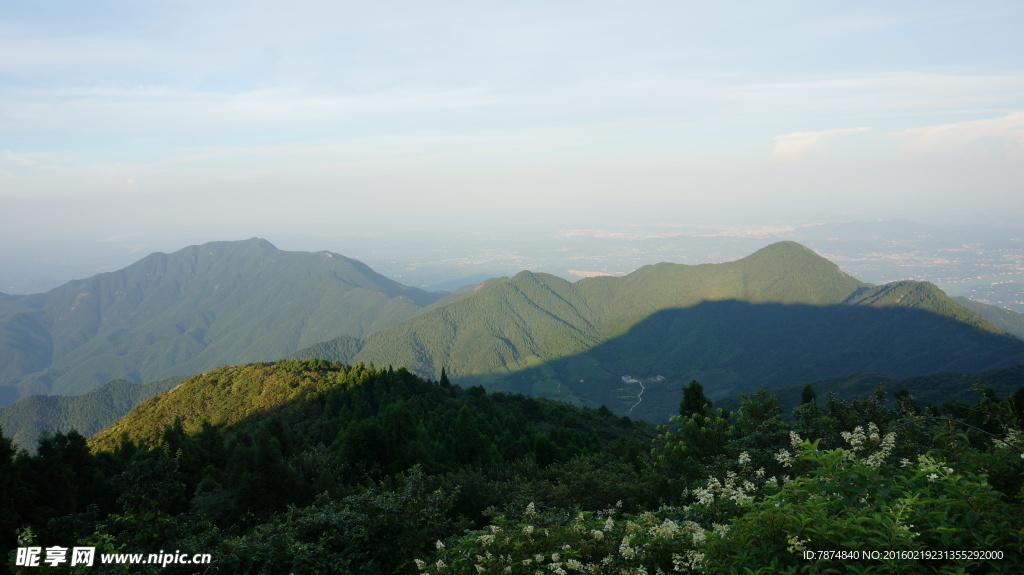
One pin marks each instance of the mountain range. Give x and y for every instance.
(183, 313)
(782, 316)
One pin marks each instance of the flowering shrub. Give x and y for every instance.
(601, 542)
(852, 499)
(852, 503)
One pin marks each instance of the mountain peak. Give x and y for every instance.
(253, 244)
(184, 312)
(258, 243)
(787, 249)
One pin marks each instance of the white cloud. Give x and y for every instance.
(797, 144)
(1005, 133)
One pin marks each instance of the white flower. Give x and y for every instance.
(666, 530)
(796, 545)
(439, 545)
(785, 458)
(420, 564)
(704, 496)
(625, 549)
(794, 440)
(744, 458)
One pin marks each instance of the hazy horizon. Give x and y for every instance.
(130, 128)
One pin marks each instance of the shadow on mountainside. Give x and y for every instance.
(734, 347)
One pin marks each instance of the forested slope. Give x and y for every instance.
(780, 316)
(25, 420)
(307, 467)
(182, 313)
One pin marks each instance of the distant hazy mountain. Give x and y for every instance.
(26, 419)
(780, 316)
(183, 313)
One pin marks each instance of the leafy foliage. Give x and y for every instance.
(805, 508)
(331, 468)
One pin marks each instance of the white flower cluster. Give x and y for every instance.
(735, 488)
(885, 447)
(629, 542)
(858, 437)
(860, 440)
(794, 440)
(692, 561)
(666, 530)
(785, 458)
(625, 549)
(796, 545)
(1013, 438)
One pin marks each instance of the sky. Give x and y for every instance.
(124, 121)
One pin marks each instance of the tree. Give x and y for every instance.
(694, 400)
(808, 396)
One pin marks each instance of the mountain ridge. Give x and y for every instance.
(181, 313)
(533, 332)
(541, 335)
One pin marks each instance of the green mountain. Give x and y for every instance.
(317, 402)
(25, 420)
(509, 324)
(780, 316)
(183, 313)
(342, 349)
(1007, 320)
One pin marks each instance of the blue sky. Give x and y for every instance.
(217, 120)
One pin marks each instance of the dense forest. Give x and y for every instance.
(305, 466)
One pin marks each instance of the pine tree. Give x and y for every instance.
(808, 396)
(694, 400)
